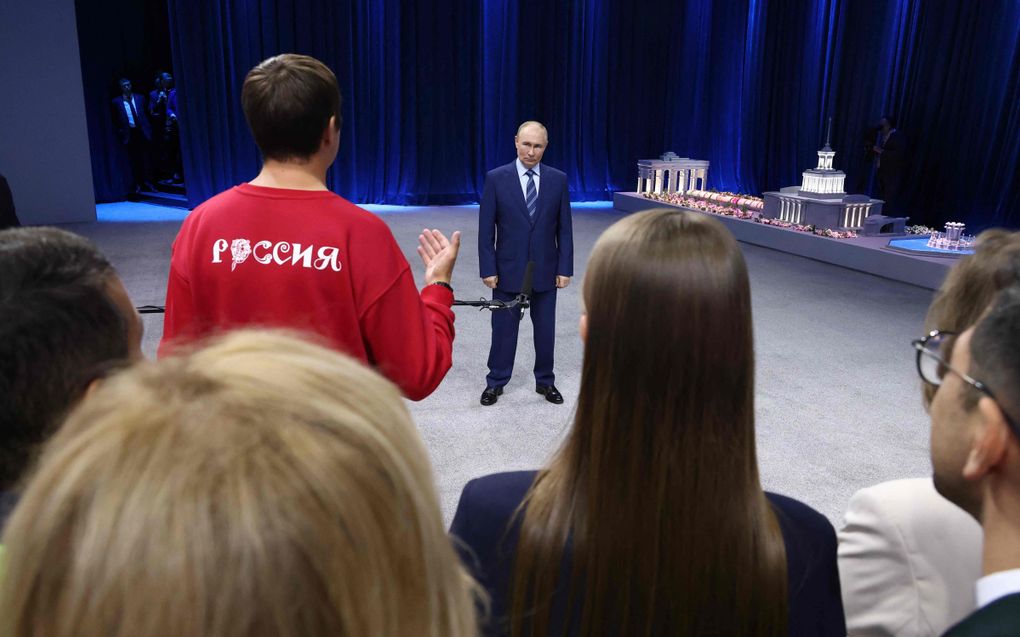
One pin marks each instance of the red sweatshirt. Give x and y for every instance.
(312, 261)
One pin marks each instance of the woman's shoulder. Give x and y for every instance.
(798, 517)
(816, 606)
(491, 500)
(808, 535)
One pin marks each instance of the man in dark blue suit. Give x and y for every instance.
(525, 217)
(129, 113)
(975, 449)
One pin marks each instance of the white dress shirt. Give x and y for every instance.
(997, 585)
(127, 109)
(521, 169)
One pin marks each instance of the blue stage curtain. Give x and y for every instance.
(433, 91)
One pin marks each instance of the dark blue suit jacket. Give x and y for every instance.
(998, 619)
(141, 121)
(508, 238)
(488, 536)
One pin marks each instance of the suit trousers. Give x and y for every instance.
(505, 326)
(138, 154)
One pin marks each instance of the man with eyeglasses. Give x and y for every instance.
(975, 449)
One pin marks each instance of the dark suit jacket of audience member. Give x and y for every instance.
(487, 506)
(998, 619)
(7, 217)
(141, 118)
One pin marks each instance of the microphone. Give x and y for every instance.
(526, 283)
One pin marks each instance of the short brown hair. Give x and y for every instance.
(58, 329)
(288, 100)
(971, 286)
(260, 486)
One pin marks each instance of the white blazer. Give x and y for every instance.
(908, 560)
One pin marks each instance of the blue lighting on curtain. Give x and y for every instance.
(433, 92)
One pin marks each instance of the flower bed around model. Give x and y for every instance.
(730, 204)
(744, 201)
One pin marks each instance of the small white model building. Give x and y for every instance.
(669, 174)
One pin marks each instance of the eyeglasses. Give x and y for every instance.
(932, 367)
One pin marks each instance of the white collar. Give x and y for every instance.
(521, 168)
(997, 585)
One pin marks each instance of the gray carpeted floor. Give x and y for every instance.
(838, 401)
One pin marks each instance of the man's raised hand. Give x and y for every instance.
(439, 255)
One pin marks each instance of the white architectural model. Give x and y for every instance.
(820, 200)
(670, 174)
(824, 181)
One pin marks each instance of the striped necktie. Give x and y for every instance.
(532, 199)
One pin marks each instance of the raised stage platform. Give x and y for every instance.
(865, 254)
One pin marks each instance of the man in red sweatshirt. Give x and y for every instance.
(285, 251)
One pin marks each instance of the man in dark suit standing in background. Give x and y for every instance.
(525, 217)
(135, 133)
(890, 154)
(975, 450)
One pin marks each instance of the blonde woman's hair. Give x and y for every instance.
(260, 486)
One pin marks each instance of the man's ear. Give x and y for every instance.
(991, 440)
(330, 131)
(92, 387)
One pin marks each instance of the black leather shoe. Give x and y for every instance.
(551, 393)
(491, 395)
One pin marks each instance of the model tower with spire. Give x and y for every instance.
(821, 202)
(824, 182)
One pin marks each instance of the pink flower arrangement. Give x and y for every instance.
(747, 201)
(740, 211)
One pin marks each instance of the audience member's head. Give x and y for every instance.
(975, 439)
(261, 486)
(65, 318)
(163, 81)
(972, 284)
(657, 484)
(292, 104)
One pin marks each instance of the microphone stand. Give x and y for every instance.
(521, 301)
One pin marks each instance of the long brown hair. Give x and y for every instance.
(261, 486)
(656, 488)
